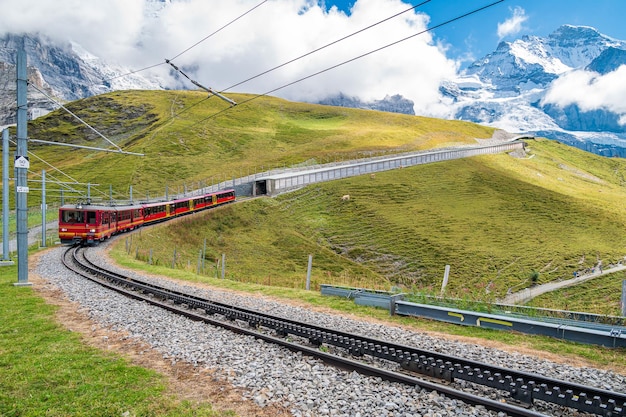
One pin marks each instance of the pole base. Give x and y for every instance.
(6, 263)
(22, 284)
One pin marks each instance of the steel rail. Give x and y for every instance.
(522, 386)
(334, 360)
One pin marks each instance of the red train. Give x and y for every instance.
(88, 224)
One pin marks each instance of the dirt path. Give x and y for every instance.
(527, 294)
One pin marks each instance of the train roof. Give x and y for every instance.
(140, 204)
(96, 207)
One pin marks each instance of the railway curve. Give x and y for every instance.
(519, 385)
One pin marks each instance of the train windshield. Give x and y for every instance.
(73, 216)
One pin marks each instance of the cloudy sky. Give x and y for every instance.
(411, 62)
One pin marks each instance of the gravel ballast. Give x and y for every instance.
(268, 374)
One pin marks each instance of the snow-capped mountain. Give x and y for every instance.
(515, 88)
(63, 71)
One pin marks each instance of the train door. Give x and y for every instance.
(114, 221)
(106, 224)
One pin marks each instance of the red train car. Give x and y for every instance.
(181, 206)
(128, 218)
(224, 196)
(209, 200)
(86, 223)
(156, 212)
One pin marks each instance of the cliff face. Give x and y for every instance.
(64, 71)
(38, 103)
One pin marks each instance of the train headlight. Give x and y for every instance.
(64, 230)
(92, 230)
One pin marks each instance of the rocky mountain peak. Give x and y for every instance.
(65, 69)
(507, 87)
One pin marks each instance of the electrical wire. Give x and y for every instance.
(188, 49)
(352, 59)
(74, 181)
(327, 45)
(218, 30)
(304, 55)
(131, 73)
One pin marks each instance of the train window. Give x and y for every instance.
(91, 217)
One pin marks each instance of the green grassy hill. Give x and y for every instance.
(502, 222)
(185, 143)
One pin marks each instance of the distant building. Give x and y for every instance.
(36, 112)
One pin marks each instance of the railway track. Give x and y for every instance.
(522, 390)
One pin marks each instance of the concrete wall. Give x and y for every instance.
(279, 183)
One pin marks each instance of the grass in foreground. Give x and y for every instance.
(46, 370)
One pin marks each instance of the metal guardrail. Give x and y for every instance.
(566, 330)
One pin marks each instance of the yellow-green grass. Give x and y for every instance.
(185, 143)
(599, 296)
(502, 223)
(598, 356)
(46, 370)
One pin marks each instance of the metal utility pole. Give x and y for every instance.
(21, 168)
(43, 208)
(5, 199)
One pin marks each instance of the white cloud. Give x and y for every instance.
(590, 91)
(277, 31)
(513, 25)
(105, 27)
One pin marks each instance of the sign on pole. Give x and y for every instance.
(22, 162)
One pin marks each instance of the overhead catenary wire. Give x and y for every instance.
(218, 30)
(119, 150)
(47, 163)
(51, 176)
(187, 49)
(303, 56)
(352, 59)
(327, 45)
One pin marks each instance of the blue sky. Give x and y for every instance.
(477, 35)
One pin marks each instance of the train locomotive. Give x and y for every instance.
(87, 224)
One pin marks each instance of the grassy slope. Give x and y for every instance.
(194, 146)
(495, 219)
